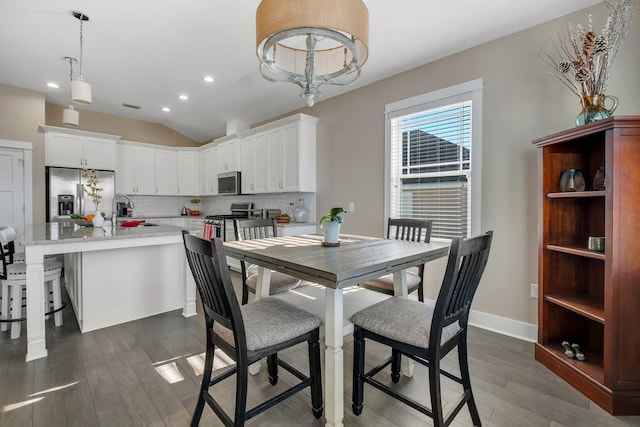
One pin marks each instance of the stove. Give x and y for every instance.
(220, 225)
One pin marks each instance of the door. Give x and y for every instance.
(187, 173)
(145, 171)
(64, 150)
(166, 172)
(12, 188)
(99, 153)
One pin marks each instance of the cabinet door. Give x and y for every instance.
(99, 153)
(260, 172)
(229, 156)
(187, 173)
(166, 172)
(209, 170)
(126, 169)
(64, 150)
(290, 158)
(145, 170)
(274, 160)
(248, 165)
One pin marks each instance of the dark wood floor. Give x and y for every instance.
(147, 373)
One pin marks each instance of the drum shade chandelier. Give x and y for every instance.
(311, 42)
(69, 115)
(80, 90)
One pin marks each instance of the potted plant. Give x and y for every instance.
(93, 189)
(331, 223)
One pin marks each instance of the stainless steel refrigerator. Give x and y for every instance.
(66, 196)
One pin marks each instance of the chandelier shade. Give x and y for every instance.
(311, 43)
(81, 90)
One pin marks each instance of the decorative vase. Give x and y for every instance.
(599, 180)
(301, 212)
(593, 109)
(331, 231)
(97, 219)
(571, 180)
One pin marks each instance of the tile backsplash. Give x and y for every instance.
(150, 206)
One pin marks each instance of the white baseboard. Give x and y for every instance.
(504, 326)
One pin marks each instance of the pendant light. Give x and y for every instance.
(312, 42)
(80, 90)
(69, 115)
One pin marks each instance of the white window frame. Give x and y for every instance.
(471, 90)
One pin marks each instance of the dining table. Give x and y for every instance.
(334, 271)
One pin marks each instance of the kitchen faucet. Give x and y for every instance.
(114, 214)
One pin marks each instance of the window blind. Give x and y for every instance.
(431, 168)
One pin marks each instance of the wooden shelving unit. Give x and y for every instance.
(587, 297)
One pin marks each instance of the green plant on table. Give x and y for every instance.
(333, 216)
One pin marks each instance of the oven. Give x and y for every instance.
(221, 225)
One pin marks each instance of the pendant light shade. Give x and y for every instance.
(312, 42)
(81, 90)
(69, 115)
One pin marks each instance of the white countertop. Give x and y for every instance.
(57, 232)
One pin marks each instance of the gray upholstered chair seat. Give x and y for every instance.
(386, 282)
(279, 282)
(263, 322)
(402, 319)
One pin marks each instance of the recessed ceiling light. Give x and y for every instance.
(208, 79)
(183, 97)
(53, 85)
(166, 109)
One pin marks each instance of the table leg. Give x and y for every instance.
(334, 358)
(400, 288)
(262, 291)
(36, 342)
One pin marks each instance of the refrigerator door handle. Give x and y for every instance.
(80, 197)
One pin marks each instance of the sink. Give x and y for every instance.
(148, 224)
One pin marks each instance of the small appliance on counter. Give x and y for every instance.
(185, 211)
(270, 213)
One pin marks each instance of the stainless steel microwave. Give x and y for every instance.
(229, 183)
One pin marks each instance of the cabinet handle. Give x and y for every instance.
(81, 161)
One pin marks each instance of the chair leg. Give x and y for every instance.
(395, 365)
(204, 387)
(466, 381)
(358, 372)
(242, 374)
(245, 294)
(316, 377)
(16, 310)
(272, 366)
(4, 310)
(421, 292)
(435, 390)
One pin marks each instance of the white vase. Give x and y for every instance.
(331, 231)
(97, 220)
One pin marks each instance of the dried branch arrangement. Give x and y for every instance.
(586, 58)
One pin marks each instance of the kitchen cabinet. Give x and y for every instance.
(209, 171)
(229, 154)
(589, 297)
(254, 165)
(291, 156)
(136, 170)
(187, 173)
(166, 172)
(79, 149)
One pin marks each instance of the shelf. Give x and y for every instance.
(585, 305)
(576, 194)
(576, 250)
(592, 367)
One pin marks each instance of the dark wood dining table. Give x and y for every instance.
(336, 268)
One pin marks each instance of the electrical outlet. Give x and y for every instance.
(352, 207)
(534, 290)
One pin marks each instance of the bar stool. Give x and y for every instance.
(13, 279)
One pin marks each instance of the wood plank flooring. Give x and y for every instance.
(147, 373)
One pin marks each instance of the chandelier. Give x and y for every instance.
(70, 116)
(312, 42)
(80, 90)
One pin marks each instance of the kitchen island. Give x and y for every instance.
(112, 276)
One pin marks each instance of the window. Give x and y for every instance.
(433, 159)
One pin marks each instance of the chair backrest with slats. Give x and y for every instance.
(465, 266)
(249, 229)
(415, 230)
(208, 265)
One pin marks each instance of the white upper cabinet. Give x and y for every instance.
(166, 172)
(187, 173)
(209, 171)
(254, 164)
(79, 149)
(136, 170)
(229, 155)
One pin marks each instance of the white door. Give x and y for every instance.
(12, 188)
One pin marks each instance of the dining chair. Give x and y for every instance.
(425, 332)
(247, 334)
(415, 230)
(13, 282)
(249, 229)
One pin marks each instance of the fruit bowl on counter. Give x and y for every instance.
(283, 219)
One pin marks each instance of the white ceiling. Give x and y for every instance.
(147, 52)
